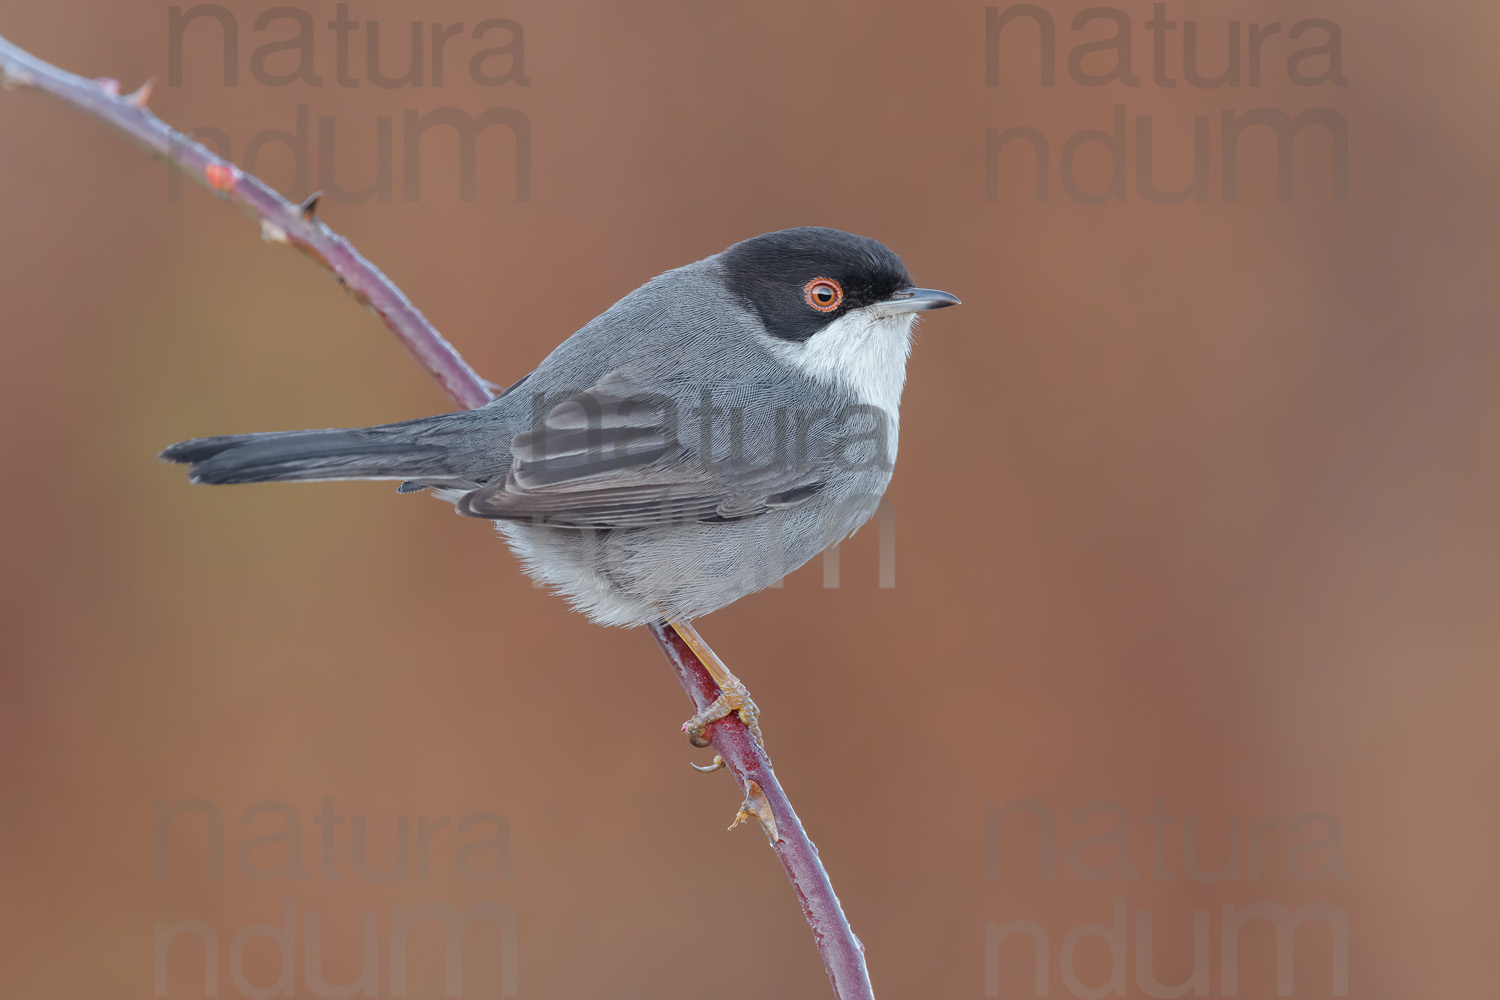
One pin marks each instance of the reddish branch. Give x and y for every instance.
(843, 955)
(282, 221)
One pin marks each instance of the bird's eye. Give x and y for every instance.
(823, 294)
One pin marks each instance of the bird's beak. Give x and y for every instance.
(914, 300)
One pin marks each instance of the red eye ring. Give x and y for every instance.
(823, 294)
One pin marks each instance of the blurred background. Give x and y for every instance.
(1196, 505)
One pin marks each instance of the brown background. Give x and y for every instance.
(1196, 503)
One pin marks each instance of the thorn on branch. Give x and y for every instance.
(14, 79)
(109, 85)
(309, 208)
(142, 93)
(757, 806)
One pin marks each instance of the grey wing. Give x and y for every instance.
(612, 457)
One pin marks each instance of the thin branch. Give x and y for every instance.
(299, 227)
(280, 220)
(843, 954)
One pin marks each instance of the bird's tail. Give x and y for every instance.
(432, 450)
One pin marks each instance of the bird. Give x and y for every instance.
(705, 435)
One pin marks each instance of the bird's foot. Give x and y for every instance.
(733, 699)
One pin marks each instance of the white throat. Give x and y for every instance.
(862, 353)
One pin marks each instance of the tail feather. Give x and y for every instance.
(420, 450)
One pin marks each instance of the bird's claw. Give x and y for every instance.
(717, 765)
(734, 698)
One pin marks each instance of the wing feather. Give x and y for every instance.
(610, 457)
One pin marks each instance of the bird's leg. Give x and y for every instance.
(733, 697)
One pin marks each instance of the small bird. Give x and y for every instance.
(702, 437)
